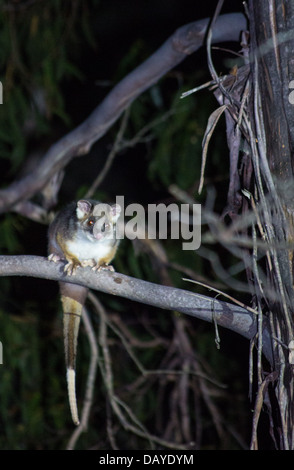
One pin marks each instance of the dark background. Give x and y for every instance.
(93, 45)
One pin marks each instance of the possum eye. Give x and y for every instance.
(90, 222)
(103, 228)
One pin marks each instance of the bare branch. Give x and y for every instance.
(230, 316)
(183, 42)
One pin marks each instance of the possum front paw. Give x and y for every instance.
(103, 267)
(55, 258)
(71, 267)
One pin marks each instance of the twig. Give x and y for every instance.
(123, 412)
(258, 405)
(109, 160)
(241, 304)
(148, 344)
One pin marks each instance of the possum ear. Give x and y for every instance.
(83, 208)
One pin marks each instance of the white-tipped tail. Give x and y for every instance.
(71, 387)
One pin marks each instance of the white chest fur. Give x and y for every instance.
(85, 249)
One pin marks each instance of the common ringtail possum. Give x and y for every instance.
(82, 234)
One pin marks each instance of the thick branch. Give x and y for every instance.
(205, 308)
(183, 42)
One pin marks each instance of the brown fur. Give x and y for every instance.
(73, 298)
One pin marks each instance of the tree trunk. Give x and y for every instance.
(266, 125)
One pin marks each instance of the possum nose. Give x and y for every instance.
(98, 235)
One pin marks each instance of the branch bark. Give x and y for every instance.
(182, 43)
(225, 314)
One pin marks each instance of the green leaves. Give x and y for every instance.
(177, 154)
(39, 46)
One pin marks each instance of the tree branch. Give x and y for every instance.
(230, 316)
(182, 43)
